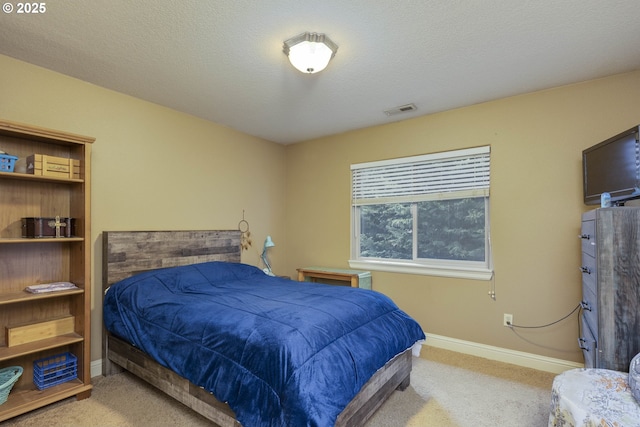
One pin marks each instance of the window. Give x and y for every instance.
(424, 215)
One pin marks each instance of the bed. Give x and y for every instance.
(273, 351)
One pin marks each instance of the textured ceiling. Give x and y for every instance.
(222, 60)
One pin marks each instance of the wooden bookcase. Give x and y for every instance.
(29, 261)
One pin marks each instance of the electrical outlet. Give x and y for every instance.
(507, 320)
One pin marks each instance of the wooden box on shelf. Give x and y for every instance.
(44, 316)
(48, 227)
(22, 334)
(43, 165)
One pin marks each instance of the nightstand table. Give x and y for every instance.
(335, 276)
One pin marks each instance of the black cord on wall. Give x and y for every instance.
(511, 325)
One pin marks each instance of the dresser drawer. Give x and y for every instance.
(588, 237)
(589, 272)
(588, 344)
(590, 309)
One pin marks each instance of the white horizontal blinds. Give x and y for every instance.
(449, 175)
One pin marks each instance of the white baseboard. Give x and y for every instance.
(528, 360)
(96, 368)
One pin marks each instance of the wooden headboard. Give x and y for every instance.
(125, 253)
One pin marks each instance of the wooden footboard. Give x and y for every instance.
(196, 398)
(394, 375)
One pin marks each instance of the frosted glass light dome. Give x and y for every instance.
(310, 52)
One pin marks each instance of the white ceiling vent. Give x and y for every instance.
(401, 109)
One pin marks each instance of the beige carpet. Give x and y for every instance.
(447, 390)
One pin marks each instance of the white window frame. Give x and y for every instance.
(371, 184)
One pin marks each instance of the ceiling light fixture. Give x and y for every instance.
(310, 52)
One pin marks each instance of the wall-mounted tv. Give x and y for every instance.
(613, 166)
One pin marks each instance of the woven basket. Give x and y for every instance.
(8, 377)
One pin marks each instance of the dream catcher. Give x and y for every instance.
(245, 239)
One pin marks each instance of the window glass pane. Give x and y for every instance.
(386, 231)
(452, 229)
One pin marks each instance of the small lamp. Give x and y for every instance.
(268, 243)
(310, 52)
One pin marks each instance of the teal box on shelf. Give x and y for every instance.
(7, 162)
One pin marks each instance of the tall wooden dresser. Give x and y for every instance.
(49, 331)
(610, 321)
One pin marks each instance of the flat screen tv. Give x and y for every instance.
(612, 166)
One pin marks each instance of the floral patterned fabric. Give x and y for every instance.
(634, 377)
(593, 398)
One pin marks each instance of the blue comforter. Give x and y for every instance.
(279, 352)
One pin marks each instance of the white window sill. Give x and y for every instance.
(412, 268)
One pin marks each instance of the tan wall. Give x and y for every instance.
(536, 203)
(154, 168)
